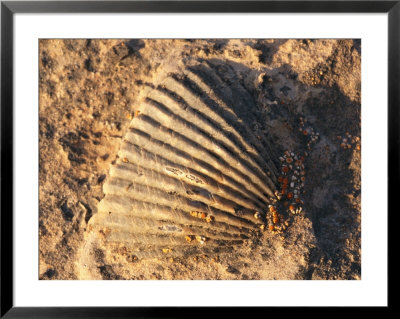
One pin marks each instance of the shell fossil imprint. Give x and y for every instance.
(191, 175)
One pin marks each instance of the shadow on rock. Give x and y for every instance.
(332, 187)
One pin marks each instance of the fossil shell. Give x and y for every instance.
(191, 176)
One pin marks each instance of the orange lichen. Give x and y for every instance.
(197, 214)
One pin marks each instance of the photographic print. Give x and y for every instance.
(203, 159)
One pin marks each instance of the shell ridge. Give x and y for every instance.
(178, 156)
(152, 226)
(227, 139)
(236, 98)
(139, 155)
(174, 185)
(147, 193)
(207, 95)
(124, 205)
(187, 237)
(194, 101)
(205, 140)
(156, 226)
(222, 95)
(207, 74)
(176, 139)
(137, 207)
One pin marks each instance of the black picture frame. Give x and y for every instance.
(9, 8)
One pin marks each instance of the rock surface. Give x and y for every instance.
(90, 90)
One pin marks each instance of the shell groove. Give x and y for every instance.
(191, 177)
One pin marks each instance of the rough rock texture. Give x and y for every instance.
(89, 91)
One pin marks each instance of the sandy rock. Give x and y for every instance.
(89, 92)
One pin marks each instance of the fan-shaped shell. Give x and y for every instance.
(191, 177)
